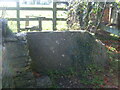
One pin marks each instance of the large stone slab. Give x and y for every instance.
(63, 50)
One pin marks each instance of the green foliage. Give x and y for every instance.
(92, 75)
(114, 61)
(55, 74)
(87, 14)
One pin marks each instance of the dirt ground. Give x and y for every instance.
(112, 43)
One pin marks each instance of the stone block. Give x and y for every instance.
(63, 50)
(43, 82)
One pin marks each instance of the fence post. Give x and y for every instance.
(0, 54)
(40, 23)
(3, 27)
(18, 17)
(0, 31)
(27, 22)
(54, 15)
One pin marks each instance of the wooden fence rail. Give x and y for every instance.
(54, 19)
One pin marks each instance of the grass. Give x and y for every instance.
(46, 25)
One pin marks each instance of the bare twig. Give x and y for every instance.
(100, 17)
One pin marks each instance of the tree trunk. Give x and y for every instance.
(118, 21)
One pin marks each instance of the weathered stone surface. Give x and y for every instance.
(21, 36)
(7, 71)
(63, 50)
(11, 39)
(23, 83)
(16, 49)
(43, 82)
(16, 71)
